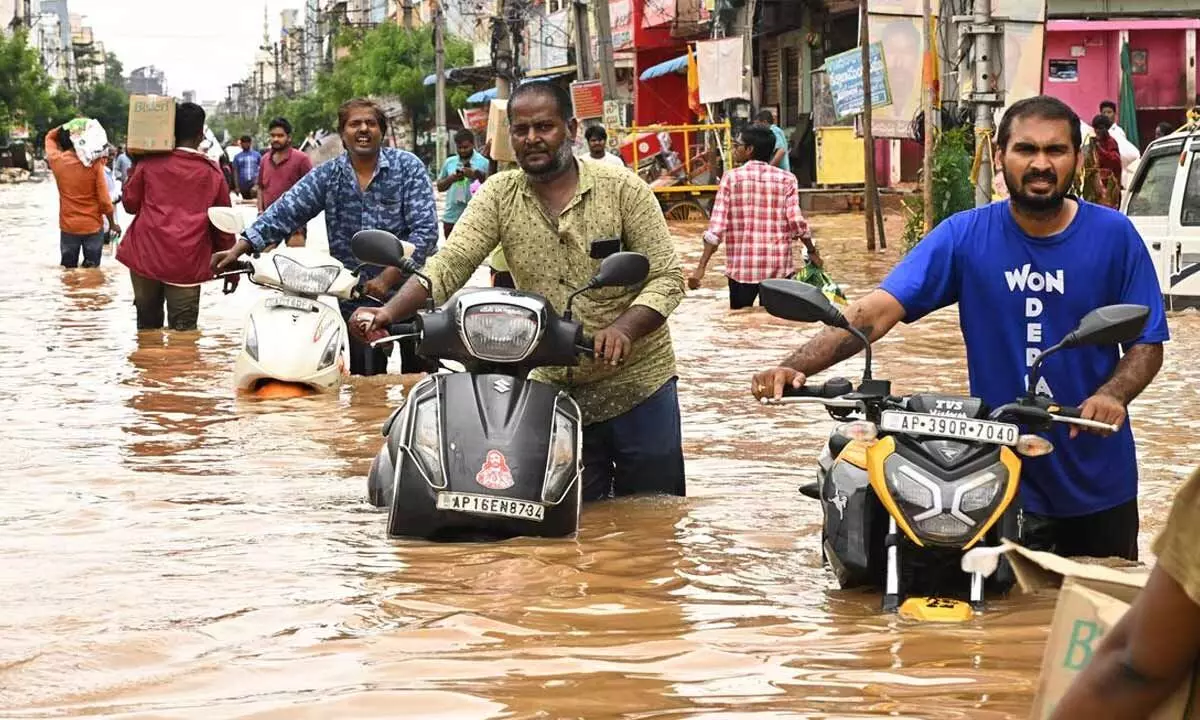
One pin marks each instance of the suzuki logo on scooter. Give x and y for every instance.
(495, 474)
(502, 385)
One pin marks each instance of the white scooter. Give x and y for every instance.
(294, 343)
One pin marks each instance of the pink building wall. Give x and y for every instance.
(1099, 72)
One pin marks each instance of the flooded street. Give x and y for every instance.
(168, 550)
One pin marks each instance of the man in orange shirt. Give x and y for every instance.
(83, 202)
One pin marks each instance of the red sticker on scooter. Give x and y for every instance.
(495, 473)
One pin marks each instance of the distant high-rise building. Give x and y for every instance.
(189, 96)
(147, 80)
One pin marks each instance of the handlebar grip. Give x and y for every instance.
(407, 328)
(586, 346)
(1069, 412)
(831, 388)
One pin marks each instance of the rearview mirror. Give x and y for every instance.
(227, 220)
(1109, 325)
(799, 302)
(379, 247)
(621, 270)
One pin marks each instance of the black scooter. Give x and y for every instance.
(486, 453)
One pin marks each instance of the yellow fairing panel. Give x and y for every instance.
(876, 455)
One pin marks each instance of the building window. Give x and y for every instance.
(1064, 71)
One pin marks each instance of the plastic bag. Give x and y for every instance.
(89, 139)
(820, 279)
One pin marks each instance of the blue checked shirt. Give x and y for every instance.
(399, 199)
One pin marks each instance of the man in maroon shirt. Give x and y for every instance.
(170, 242)
(280, 170)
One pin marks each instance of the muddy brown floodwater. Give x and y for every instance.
(168, 550)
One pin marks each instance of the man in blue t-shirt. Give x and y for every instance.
(246, 162)
(780, 158)
(1024, 272)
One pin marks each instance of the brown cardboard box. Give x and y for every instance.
(1091, 600)
(151, 123)
(497, 132)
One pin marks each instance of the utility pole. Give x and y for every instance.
(927, 98)
(502, 54)
(439, 49)
(584, 68)
(868, 137)
(983, 92)
(604, 49)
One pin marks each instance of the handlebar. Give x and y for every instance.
(586, 346)
(1048, 412)
(399, 331)
(832, 388)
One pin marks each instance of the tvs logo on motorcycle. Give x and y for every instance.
(495, 474)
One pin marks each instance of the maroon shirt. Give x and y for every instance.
(274, 179)
(171, 239)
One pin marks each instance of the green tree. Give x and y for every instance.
(952, 188)
(114, 70)
(109, 105)
(24, 87)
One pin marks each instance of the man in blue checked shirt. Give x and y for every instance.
(247, 162)
(368, 187)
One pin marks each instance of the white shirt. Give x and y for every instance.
(608, 159)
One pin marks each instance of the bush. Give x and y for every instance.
(952, 188)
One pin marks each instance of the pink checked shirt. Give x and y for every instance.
(757, 216)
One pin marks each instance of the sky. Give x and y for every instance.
(202, 46)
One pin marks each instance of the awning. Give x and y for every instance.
(490, 94)
(678, 65)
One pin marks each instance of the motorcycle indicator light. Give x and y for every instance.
(1034, 446)
(252, 340)
(860, 430)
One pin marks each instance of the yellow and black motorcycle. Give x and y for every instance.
(908, 484)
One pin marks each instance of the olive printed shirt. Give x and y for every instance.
(1176, 545)
(551, 257)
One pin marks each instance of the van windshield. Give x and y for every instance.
(1190, 214)
(1151, 194)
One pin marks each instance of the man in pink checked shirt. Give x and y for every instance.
(757, 216)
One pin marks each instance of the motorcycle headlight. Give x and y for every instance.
(303, 279)
(426, 443)
(329, 356)
(562, 466)
(979, 491)
(252, 340)
(498, 332)
(911, 486)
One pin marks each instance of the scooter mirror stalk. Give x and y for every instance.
(227, 220)
(1108, 325)
(801, 302)
(617, 270)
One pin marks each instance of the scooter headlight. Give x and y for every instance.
(303, 279)
(499, 332)
(426, 443)
(329, 356)
(252, 340)
(562, 467)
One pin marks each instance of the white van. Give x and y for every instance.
(1163, 202)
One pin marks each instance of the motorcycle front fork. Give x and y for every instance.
(891, 595)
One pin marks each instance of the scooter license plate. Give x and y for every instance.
(491, 505)
(292, 303)
(985, 431)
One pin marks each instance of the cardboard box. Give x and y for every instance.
(497, 132)
(151, 123)
(1091, 600)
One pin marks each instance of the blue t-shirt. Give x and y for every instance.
(1018, 295)
(459, 193)
(247, 162)
(781, 144)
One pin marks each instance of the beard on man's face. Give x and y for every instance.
(1024, 198)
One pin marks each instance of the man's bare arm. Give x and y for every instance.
(1142, 660)
(1135, 371)
(874, 315)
